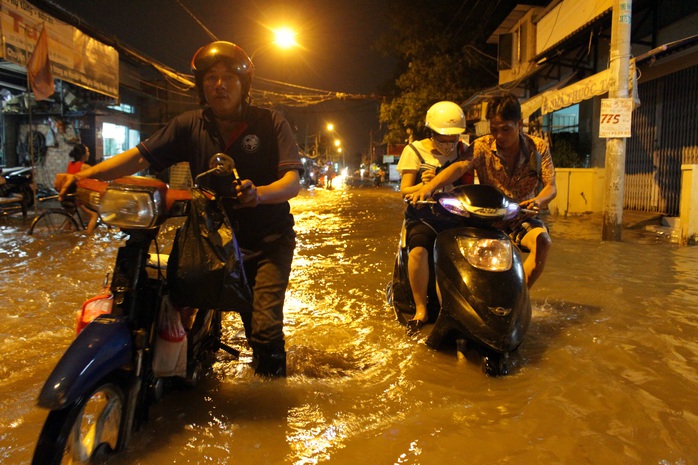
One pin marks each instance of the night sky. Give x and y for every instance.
(336, 54)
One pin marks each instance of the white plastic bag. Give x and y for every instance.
(170, 355)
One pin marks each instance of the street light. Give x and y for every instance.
(284, 38)
(337, 144)
(330, 128)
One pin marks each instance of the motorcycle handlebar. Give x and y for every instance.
(527, 211)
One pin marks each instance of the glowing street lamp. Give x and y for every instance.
(284, 38)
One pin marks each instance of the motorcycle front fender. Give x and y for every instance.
(102, 347)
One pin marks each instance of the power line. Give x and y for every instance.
(208, 31)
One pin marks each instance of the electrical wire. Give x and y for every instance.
(198, 21)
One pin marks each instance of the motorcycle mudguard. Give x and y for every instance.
(103, 346)
(471, 297)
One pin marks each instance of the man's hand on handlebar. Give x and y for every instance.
(247, 194)
(531, 206)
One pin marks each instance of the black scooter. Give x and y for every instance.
(16, 190)
(102, 387)
(484, 300)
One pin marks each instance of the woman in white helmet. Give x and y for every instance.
(419, 163)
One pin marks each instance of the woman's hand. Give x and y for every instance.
(427, 176)
(424, 193)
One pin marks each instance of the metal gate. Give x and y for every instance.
(665, 136)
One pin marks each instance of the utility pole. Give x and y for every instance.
(615, 147)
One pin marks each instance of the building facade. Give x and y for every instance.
(556, 59)
(107, 97)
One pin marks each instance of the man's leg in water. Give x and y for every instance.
(538, 241)
(264, 327)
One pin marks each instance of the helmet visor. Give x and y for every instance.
(226, 52)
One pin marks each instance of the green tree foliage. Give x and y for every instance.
(434, 42)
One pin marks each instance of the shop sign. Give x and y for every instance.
(75, 57)
(616, 117)
(598, 84)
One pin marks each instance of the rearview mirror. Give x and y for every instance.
(221, 164)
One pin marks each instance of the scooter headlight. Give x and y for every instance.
(487, 254)
(454, 205)
(131, 206)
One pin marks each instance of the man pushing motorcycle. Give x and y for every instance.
(264, 150)
(518, 165)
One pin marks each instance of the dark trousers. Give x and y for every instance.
(268, 269)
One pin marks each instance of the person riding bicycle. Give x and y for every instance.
(80, 153)
(263, 146)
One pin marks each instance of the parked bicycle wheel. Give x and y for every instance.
(52, 222)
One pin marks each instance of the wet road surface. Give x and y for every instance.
(608, 372)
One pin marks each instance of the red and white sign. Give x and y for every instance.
(616, 117)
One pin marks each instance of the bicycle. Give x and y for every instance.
(53, 221)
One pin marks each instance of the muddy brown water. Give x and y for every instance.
(608, 372)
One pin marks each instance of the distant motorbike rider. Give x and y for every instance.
(520, 166)
(418, 164)
(263, 146)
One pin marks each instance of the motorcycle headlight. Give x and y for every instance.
(512, 210)
(487, 254)
(131, 206)
(91, 199)
(455, 206)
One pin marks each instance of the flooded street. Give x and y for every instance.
(607, 374)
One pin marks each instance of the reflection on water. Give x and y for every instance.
(607, 373)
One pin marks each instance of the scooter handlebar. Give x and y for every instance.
(422, 202)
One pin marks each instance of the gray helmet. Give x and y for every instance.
(230, 54)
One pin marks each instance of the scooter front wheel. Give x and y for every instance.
(84, 430)
(495, 364)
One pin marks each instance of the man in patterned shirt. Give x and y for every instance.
(518, 165)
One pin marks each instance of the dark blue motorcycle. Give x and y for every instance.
(101, 389)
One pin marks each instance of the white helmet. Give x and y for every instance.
(446, 118)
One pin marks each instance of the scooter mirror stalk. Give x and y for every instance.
(220, 164)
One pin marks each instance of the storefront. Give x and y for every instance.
(104, 96)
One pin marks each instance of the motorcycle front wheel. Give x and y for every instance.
(84, 430)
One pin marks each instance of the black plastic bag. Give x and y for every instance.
(205, 266)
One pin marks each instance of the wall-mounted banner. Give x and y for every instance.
(598, 84)
(75, 57)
